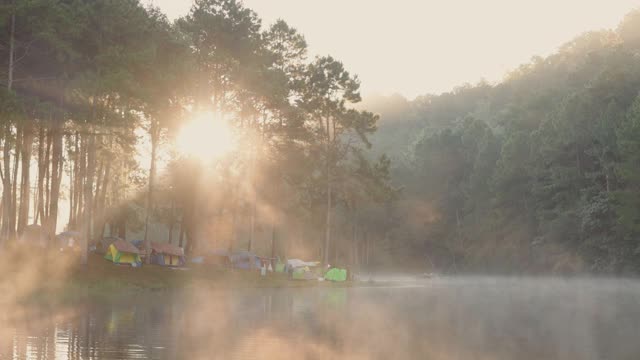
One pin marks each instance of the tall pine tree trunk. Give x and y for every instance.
(6, 185)
(354, 236)
(2, 139)
(252, 223)
(88, 197)
(327, 234)
(154, 132)
(13, 219)
(80, 179)
(42, 164)
(102, 198)
(25, 184)
(171, 220)
(97, 207)
(71, 154)
(181, 237)
(12, 47)
(56, 164)
(47, 177)
(252, 188)
(273, 245)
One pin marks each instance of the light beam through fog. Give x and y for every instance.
(206, 137)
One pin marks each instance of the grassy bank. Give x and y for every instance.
(101, 277)
(52, 277)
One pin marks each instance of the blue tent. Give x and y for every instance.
(166, 254)
(245, 260)
(138, 243)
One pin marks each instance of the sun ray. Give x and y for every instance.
(206, 137)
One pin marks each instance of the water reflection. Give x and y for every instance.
(480, 318)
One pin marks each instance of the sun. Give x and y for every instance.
(206, 137)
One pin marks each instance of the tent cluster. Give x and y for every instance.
(120, 251)
(243, 260)
(311, 270)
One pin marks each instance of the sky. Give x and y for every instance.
(415, 47)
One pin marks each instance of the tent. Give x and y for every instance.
(166, 254)
(69, 241)
(296, 263)
(335, 274)
(122, 252)
(302, 270)
(245, 260)
(139, 244)
(102, 246)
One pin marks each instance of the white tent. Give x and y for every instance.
(296, 263)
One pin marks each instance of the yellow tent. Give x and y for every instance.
(121, 252)
(166, 254)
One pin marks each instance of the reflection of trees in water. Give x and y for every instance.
(476, 319)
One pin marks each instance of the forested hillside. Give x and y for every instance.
(537, 173)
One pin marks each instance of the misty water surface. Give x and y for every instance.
(465, 318)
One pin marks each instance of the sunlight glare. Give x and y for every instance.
(206, 137)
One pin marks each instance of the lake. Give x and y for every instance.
(444, 318)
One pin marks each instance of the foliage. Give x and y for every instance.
(542, 164)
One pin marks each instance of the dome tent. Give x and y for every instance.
(122, 252)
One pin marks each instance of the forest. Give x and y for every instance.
(538, 173)
(89, 85)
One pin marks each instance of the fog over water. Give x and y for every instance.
(443, 318)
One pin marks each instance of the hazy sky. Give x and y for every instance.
(415, 47)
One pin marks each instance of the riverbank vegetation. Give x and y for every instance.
(51, 278)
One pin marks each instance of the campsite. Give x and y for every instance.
(313, 179)
(122, 265)
(129, 275)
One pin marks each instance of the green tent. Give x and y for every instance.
(336, 274)
(279, 267)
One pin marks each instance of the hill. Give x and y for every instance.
(537, 173)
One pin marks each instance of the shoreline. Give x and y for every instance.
(101, 279)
